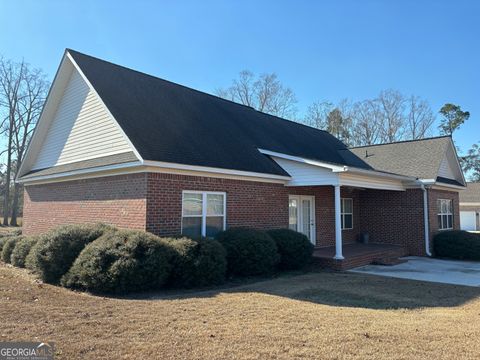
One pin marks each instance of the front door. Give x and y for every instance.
(301, 211)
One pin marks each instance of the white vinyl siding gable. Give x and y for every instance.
(448, 167)
(81, 128)
(305, 174)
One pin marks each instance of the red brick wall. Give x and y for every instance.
(394, 217)
(153, 202)
(254, 204)
(433, 196)
(118, 200)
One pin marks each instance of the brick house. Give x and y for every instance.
(470, 207)
(122, 147)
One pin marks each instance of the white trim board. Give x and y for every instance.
(305, 172)
(153, 167)
(469, 204)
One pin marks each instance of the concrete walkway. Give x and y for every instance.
(428, 269)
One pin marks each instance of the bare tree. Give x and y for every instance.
(367, 123)
(11, 78)
(264, 93)
(317, 114)
(35, 89)
(420, 118)
(22, 94)
(392, 105)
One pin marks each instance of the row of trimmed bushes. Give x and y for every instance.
(101, 258)
(457, 244)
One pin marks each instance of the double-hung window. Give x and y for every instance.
(203, 213)
(347, 213)
(445, 214)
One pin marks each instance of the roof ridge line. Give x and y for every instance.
(403, 141)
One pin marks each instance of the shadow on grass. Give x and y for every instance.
(339, 289)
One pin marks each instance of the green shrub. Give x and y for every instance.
(249, 251)
(22, 249)
(197, 263)
(294, 248)
(4, 236)
(3, 240)
(457, 245)
(55, 252)
(16, 232)
(121, 262)
(8, 247)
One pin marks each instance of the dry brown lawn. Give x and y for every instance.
(320, 315)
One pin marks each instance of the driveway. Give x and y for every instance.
(428, 269)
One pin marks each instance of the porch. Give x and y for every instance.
(357, 254)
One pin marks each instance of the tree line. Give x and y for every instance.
(391, 116)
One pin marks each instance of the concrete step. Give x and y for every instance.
(388, 261)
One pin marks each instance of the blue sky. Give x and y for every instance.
(323, 50)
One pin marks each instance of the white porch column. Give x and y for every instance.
(338, 225)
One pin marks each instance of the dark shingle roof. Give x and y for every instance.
(85, 164)
(172, 123)
(471, 193)
(418, 158)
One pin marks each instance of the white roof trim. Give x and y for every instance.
(439, 184)
(338, 168)
(443, 186)
(47, 105)
(78, 172)
(162, 164)
(334, 168)
(470, 203)
(153, 166)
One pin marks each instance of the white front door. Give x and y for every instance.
(301, 215)
(468, 220)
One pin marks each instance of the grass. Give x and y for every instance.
(321, 315)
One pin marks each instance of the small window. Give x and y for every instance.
(445, 214)
(203, 213)
(347, 214)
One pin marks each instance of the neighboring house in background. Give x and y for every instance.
(126, 148)
(470, 207)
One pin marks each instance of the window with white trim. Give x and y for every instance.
(203, 213)
(445, 214)
(346, 210)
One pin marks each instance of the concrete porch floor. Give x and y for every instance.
(356, 255)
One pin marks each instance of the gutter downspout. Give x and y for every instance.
(425, 220)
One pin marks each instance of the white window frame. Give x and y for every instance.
(204, 215)
(441, 214)
(343, 213)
